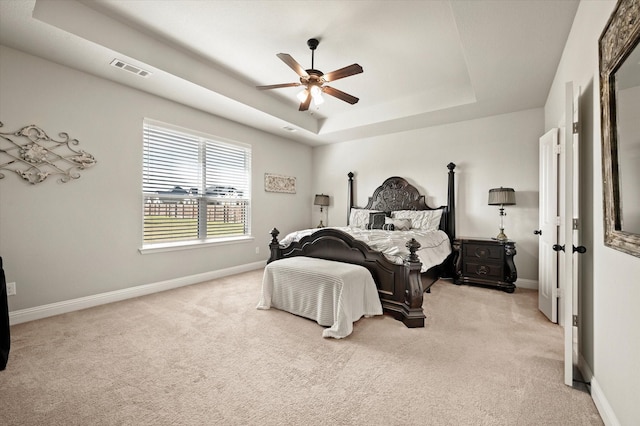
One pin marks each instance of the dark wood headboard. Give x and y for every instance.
(396, 193)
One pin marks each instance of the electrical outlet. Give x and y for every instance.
(257, 250)
(11, 289)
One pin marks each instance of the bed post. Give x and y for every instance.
(448, 266)
(349, 195)
(274, 246)
(412, 313)
(451, 203)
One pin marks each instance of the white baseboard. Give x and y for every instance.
(44, 311)
(600, 400)
(584, 368)
(524, 283)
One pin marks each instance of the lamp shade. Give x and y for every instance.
(501, 197)
(321, 200)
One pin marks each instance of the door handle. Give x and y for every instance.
(538, 232)
(579, 249)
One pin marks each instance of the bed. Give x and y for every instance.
(401, 283)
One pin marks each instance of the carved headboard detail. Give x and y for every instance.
(396, 193)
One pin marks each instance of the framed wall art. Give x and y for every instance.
(279, 183)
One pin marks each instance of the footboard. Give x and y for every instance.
(399, 286)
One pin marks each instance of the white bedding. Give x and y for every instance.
(334, 294)
(435, 245)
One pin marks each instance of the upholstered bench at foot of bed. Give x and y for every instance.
(334, 294)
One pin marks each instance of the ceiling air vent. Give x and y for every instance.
(131, 68)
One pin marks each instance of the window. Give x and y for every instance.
(195, 188)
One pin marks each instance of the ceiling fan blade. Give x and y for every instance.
(305, 105)
(340, 94)
(343, 72)
(293, 64)
(278, 86)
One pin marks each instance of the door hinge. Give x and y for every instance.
(575, 320)
(575, 128)
(576, 223)
(557, 149)
(558, 221)
(556, 293)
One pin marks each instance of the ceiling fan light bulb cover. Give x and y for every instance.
(317, 100)
(302, 95)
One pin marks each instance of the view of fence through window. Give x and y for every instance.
(194, 188)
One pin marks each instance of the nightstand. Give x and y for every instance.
(485, 261)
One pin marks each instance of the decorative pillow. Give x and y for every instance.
(398, 224)
(426, 220)
(376, 220)
(384, 226)
(358, 218)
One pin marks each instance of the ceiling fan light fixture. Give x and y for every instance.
(315, 91)
(316, 94)
(302, 95)
(318, 100)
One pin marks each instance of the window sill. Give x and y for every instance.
(188, 245)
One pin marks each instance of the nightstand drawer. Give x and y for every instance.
(484, 252)
(483, 270)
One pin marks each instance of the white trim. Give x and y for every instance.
(604, 408)
(193, 244)
(524, 283)
(44, 311)
(584, 368)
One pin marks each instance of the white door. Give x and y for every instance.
(577, 248)
(559, 230)
(569, 230)
(548, 225)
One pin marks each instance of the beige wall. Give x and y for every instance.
(66, 241)
(609, 286)
(490, 152)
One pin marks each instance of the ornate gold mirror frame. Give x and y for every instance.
(617, 42)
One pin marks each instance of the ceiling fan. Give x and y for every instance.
(313, 80)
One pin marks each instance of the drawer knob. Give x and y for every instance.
(482, 270)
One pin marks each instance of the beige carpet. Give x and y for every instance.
(203, 355)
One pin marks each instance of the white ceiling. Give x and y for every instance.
(426, 62)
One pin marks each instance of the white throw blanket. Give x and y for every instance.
(434, 249)
(334, 294)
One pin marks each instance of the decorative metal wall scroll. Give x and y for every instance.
(34, 156)
(278, 183)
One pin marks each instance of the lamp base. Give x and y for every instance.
(501, 236)
(321, 225)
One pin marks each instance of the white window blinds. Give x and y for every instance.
(194, 187)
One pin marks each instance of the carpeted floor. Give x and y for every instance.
(203, 355)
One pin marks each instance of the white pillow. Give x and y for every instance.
(359, 218)
(426, 220)
(398, 224)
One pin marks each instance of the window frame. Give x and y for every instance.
(202, 197)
